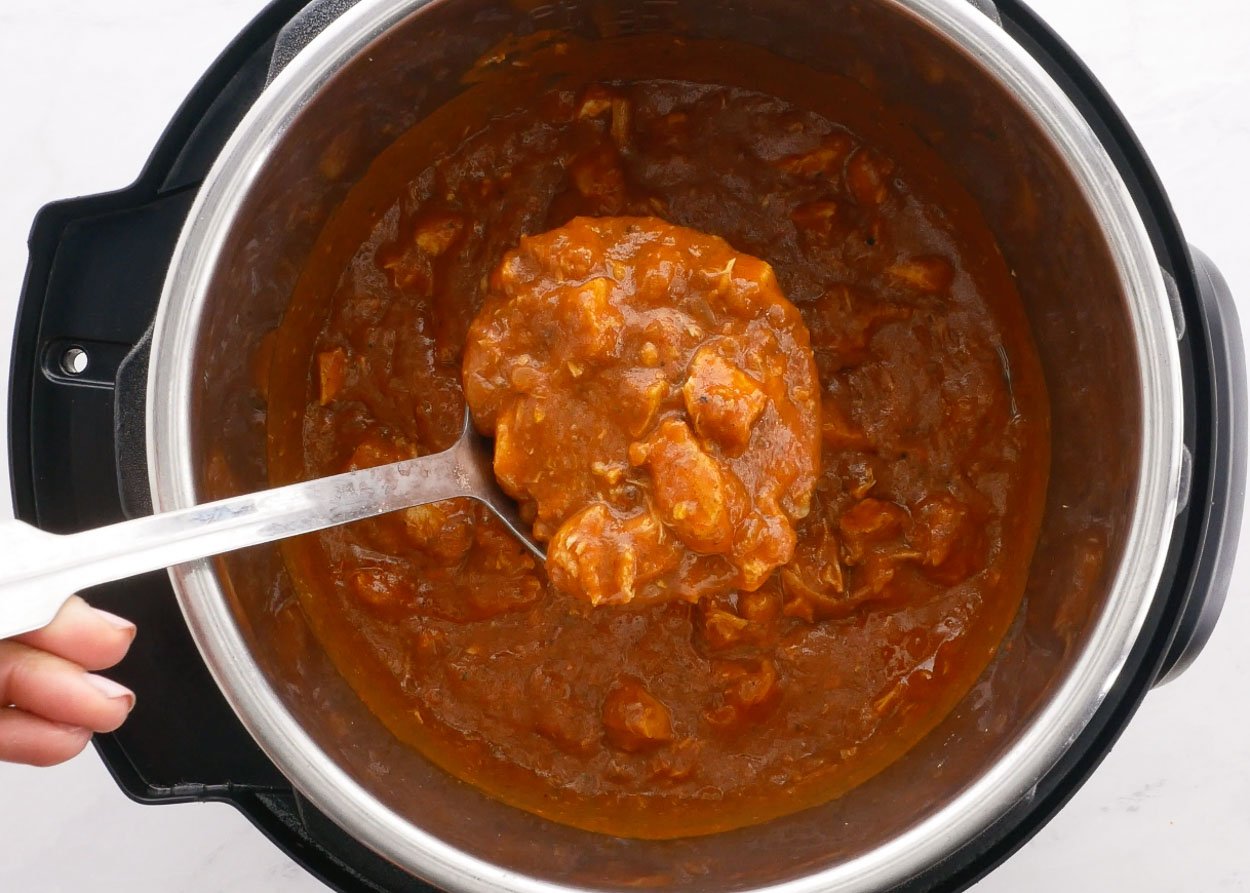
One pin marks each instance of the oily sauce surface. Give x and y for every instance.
(664, 718)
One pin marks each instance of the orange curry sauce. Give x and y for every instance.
(779, 689)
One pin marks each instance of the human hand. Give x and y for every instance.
(49, 703)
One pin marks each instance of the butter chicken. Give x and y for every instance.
(760, 378)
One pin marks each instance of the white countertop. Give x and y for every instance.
(85, 90)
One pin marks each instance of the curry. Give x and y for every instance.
(654, 405)
(760, 378)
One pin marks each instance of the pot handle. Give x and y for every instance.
(1225, 455)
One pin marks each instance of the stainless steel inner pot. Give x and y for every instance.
(1094, 294)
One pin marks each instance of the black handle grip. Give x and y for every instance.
(1224, 448)
(301, 29)
(989, 9)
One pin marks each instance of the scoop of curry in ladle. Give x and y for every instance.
(655, 409)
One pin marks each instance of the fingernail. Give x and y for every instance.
(114, 621)
(110, 689)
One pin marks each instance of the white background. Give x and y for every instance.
(85, 90)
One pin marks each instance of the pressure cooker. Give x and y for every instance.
(168, 286)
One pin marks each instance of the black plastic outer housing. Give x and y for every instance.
(96, 270)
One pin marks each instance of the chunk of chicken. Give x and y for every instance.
(826, 159)
(594, 322)
(870, 521)
(437, 232)
(442, 529)
(723, 401)
(331, 374)
(927, 274)
(751, 690)
(597, 176)
(382, 590)
(868, 177)
(605, 559)
(948, 538)
(633, 719)
(813, 581)
(692, 490)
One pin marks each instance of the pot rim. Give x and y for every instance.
(216, 633)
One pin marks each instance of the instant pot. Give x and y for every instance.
(132, 359)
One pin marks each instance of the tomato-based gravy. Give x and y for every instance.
(760, 379)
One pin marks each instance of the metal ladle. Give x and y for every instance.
(40, 570)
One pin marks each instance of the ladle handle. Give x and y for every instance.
(40, 570)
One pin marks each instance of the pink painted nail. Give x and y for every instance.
(110, 689)
(114, 621)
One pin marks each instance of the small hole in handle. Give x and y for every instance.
(75, 361)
